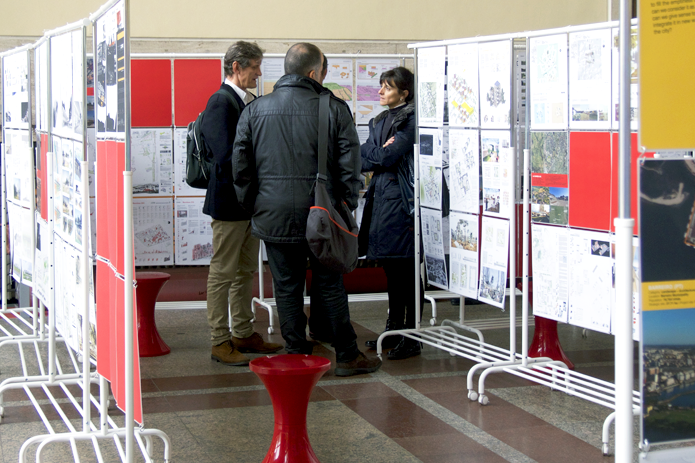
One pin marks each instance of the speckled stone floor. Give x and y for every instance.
(413, 410)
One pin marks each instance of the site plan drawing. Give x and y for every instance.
(549, 259)
(590, 79)
(548, 74)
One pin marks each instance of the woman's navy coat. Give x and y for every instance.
(391, 233)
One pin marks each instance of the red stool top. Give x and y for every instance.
(151, 276)
(289, 364)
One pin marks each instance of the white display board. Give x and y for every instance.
(19, 167)
(462, 87)
(498, 182)
(433, 235)
(153, 226)
(367, 82)
(494, 256)
(151, 158)
(463, 254)
(548, 73)
(430, 91)
(550, 272)
(430, 160)
(193, 232)
(464, 170)
(339, 79)
(181, 188)
(67, 84)
(495, 62)
(590, 79)
(15, 91)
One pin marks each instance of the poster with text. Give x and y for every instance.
(41, 86)
(433, 235)
(463, 276)
(151, 158)
(193, 232)
(498, 181)
(42, 266)
(181, 188)
(634, 86)
(272, 69)
(339, 79)
(21, 232)
(15, 90)
(153, 225)
(367, 81)
(462, 86)
(110, 72)
(19, 166)
(69, 286)
(495, 60)
(430, 160)
(590, 79)
(549, 82)
(494, 256)
(430, 91)
(549, 177)
(549, 254)
(67, 84)
(464, 171)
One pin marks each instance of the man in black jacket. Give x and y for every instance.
(235, 250)
(275, 162)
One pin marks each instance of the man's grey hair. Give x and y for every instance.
(243, 53)
(303, 58)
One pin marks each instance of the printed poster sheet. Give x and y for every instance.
(19, 167)
(67, 84)
(590, 79)
(464, 171)
(181, 188)
(495, 60)
(634, 87)
(464, 254)
(549, 254)
(42, 265)
(21, 243)
(339, 79)
(430, 160)
(494, 256)
(549, 177)
(462, 87)
(549, 82)
(433, 233)
(41, 86)
(151, 157)
(153, 224)
(590, 280)
(498, 182)
(367, 80)
(69, 192)
(15, 91)
(110, 72)
(272, 69)
(636, 288)
(430, 91)
(193, 232)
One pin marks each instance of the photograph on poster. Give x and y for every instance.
(549, 152)
(462, 86)
(492, 283)
(464, 167)
(549, 260)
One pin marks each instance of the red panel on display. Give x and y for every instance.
(102, 200)
(590, 180)
(549, 180)
(150, 87)
(194, 81)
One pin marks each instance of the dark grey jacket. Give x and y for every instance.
(275, 158)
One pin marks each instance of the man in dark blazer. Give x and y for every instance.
(235, 251)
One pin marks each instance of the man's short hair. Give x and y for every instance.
(243, 53)
(303, 58)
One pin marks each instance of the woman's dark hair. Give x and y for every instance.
(402, 79)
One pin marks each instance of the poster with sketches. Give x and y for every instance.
(339, 79)
(590, 79)
(272, 69)
(430, 161)
(110, 72)
(15, 90)
(494, 255)
(462, 86)
(549, 260)
(67, 84)
(549, 177)
(431, 80)
(549, 82)
(463, 257)
(193, 232)
(590, 279)
(153, 225)
(19, 167)
(151, 158)
(42, 266)
(367, 81)
(69, 190)
(21, 232)
(433, 235)
(181, 188)
(634, 87)
(498, 181)
(464, 171)
(41, 86)
(495, 60)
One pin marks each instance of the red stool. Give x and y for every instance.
(289, 380)
(149, 285)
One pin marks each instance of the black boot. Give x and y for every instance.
(389, 341)
(405, 349)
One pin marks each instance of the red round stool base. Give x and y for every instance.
(150, 343)
(546, 342)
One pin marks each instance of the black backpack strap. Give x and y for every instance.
(324, 100)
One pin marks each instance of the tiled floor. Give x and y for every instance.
(411, 410)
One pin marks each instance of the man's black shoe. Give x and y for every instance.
(405, 349)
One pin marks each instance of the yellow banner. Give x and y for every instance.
(668, 295)
(666, 70)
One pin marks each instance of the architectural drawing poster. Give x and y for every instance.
(590, 279)
(433, 235)
(462, 87)
(495, 60)
(68, 287)
(19, 168)
(550, 177)
(272, 69)
(193, 232)
(549, 254)
(464, 171)
(430, 161)
(367, 81)
(153, 226)
(67, 84)
(498, 181)
(41, 86)
(151, 157)
(590, 79)
(181, 188)
(15, 91)
(549, 82)
(494, 256)
(42, 267)
(430, 91)
(463, 257)
(110, 72)
(21, 243)
(69, 192)
(339, 79)
(634, 87)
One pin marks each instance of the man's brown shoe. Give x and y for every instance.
(361, 365)
(255, 344)
(227, 354)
